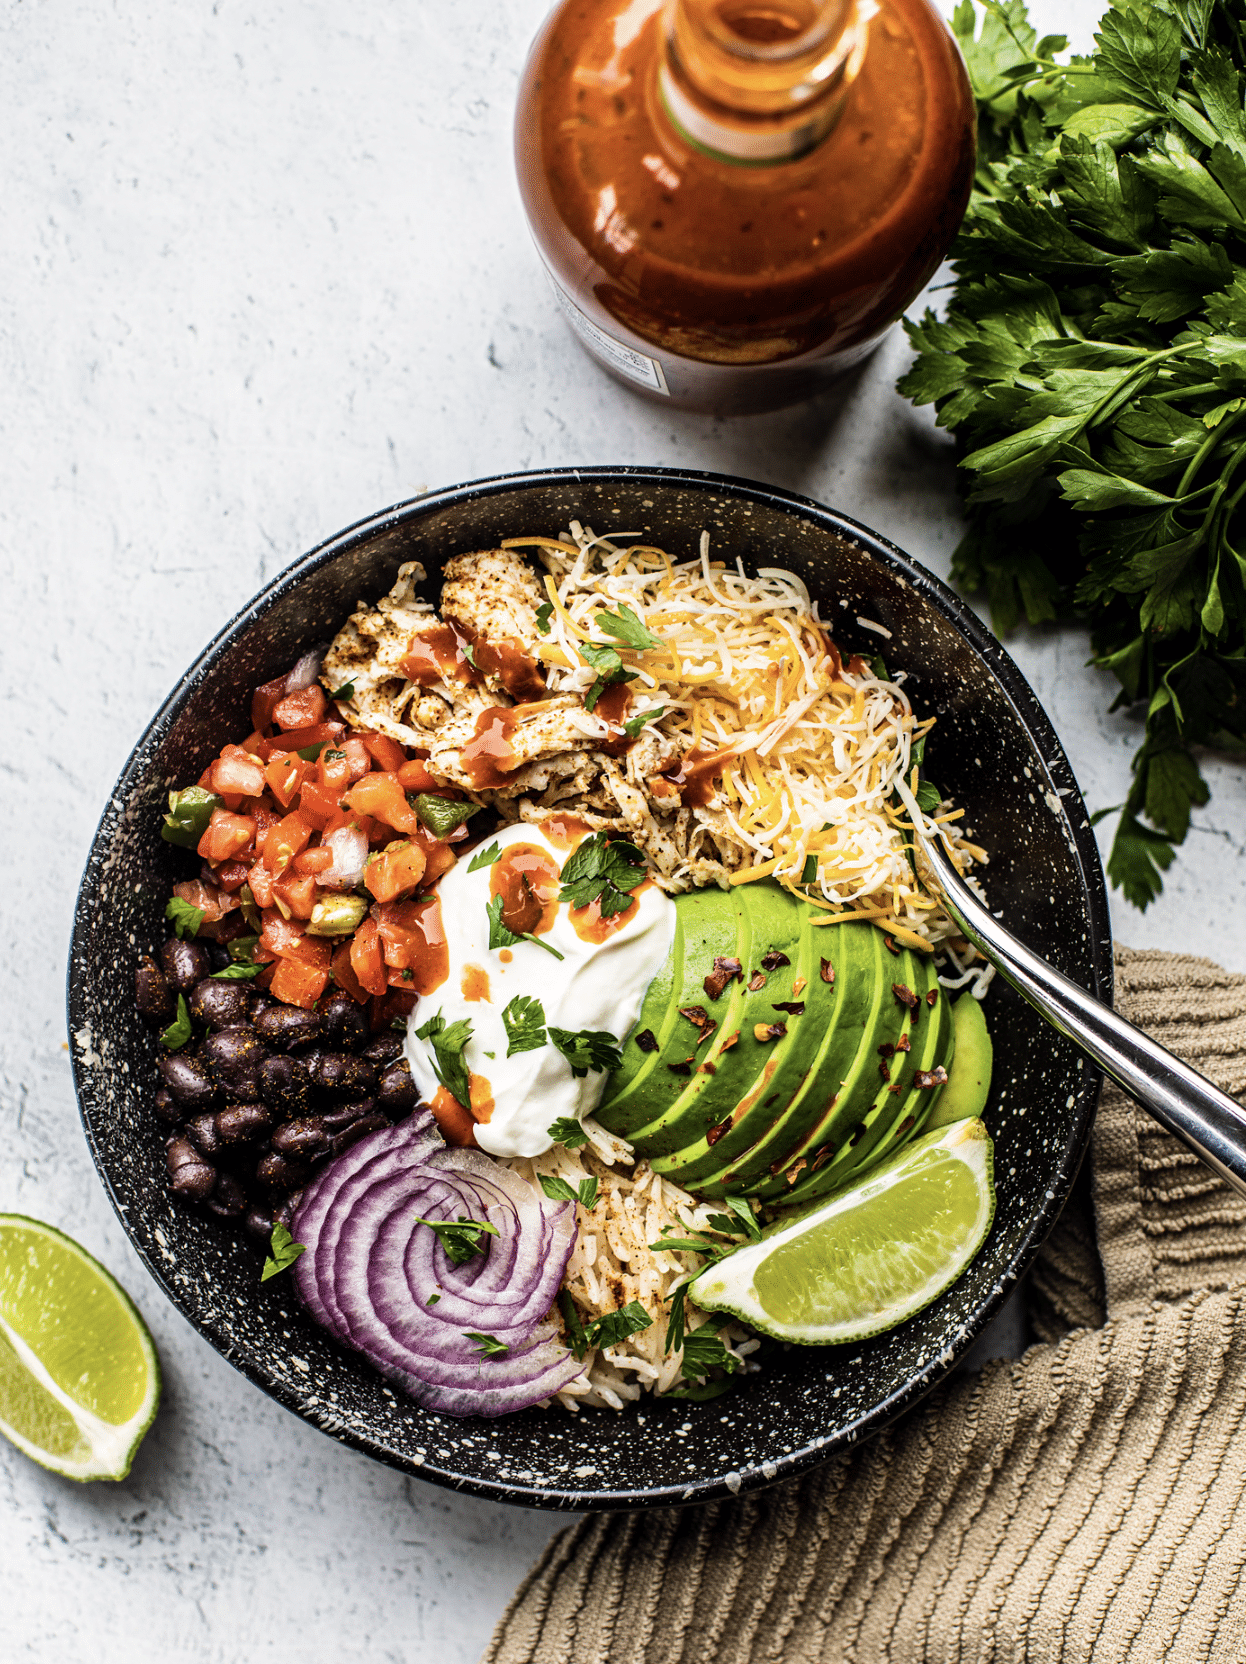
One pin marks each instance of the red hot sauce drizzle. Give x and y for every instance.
(693, 775)
(489, 757)
(439, 652)
(612, 707)
(528, 882)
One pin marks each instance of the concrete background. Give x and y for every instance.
(263, 271)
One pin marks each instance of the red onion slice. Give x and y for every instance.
(304, 673)
(350, 855)
(369, 1271)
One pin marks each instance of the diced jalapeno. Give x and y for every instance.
(242, 949)
(309, 753)
(443, 815)
(337, 915)
(189, 814)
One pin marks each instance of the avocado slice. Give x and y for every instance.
(714, 925)
(969, 1080)
(658, 1013)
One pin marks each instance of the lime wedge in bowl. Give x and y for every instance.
(870, 1255)
(79, 1375)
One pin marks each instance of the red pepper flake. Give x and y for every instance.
(796, 1169)
(898, 1087)
(773, 960)
(905, 1125)
(680, 1068)
(930, 1077)
(794, 1008)
(647, 1040)
(886, 1049)
(715, 1133)
(823, 1155)
(698, 1016)
(765, 1032)
(904, 1044)
(729, 1042)
(799, 984)
(883, 1070)
(891, 945)
(906, 996)
(708, 1069)
(932, 998)
(724, 971)
(858, 1133)
(756, 981)
(828, 971)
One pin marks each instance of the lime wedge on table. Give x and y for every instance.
(79, 1376)
(870, 1255)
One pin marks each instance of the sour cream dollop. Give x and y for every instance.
(598, 986)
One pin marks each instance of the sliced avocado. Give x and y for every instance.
(715, 925)
(969, 1080)
(657, 1020)
(783, 1107)
(726, 1067)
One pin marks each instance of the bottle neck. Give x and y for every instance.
(756, 82)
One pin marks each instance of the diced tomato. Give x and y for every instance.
(318, 805)
(396, 1002)
(438, 855)
(365, 958)
(261, 882)
(396, 872)
(344, 975)
(226, 835)
(388, 753)
(264, 979)
(298, 739)
(297, 984)
(284, 840)
(300, 710)
(266, 817)
(357, 756)
(285, 774)
(414, 777)
(298, 891)
(314, 860)
(231, 875)
(264, 701)
(334, 768)
(412, 939)
(212, 902)
(286, 938)
(380, 796)
(234, 771)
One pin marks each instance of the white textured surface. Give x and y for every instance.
(263, 271)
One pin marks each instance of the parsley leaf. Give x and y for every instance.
(634, 724)
(489, 1346)
(179, 1030)
(284, 1253)
(239, 972)
(603, 871)
(609, 667)
(558, 1190)
(625, 626)
(524, 1022)
(346, 691)
(577, 1338)
(185, 918)
(586, 1049)
(460, 1237)
(704, 1351)
(485, 857)
(744, 1222)
(616, 1326)
(501, 937)
(447, 1043)
(543, 615)
(568, 1132)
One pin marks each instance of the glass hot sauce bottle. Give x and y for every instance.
(735, 199)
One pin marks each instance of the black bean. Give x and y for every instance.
(242, 1123)
(287, 1027)
(189, 1082)
(218, 953)
(189, 1174)
(384, 1047)
(345, 1026)
(396, 1092)
(278, 1172)
(357, 1130)
(166, 1106)
(285, 1083)
(229, 1199)
(284, 1212)
(220, 1004)
(342, 1115)
(305, 1138)
(258, 1224)
(152, 993)
(184, 963)
(201, 1130)
(340, 1073)
(234, 1057)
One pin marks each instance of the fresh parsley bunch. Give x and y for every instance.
(1092, 364)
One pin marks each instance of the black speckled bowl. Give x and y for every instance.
(993, 747)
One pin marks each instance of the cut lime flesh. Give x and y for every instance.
(79, 1375)
(869, 1256)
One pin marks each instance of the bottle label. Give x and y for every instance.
(623, 359)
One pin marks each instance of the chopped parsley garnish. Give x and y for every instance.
(744, 1217)
(617, 1326)
(460, 1237)
(189, 814)
(704, 1351)
(634, 724)
(586, 1049)
(179, 1030)
(485, 857)
(604, 871)
(524, 1022)
(501, 936)
(558, 1190)
(609, 667)
(577, 1339)
(543, 615)
(625, 626)
(448, 1043)
(239, 972)
(443, 815)
(284, 1253)
(432, 1299)
(489, 1346)
(568, 1132)
(346, 691)
(185, 918)
(469, 653)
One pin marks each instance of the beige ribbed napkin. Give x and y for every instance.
(1085, 1502)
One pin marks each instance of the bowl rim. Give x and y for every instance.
(1085, 849)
